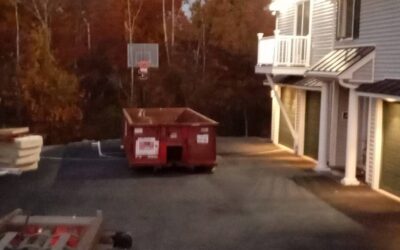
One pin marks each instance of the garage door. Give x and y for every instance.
(390, 175)
(311, 133)
(288, 97)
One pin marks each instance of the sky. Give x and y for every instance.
(186, 7)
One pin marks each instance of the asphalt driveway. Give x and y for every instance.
(260, 197)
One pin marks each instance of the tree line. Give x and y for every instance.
(63, 65)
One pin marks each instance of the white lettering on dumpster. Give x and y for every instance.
(202, 139)
(147, 146)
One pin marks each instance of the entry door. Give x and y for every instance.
(312, 119)
(390, 175)
(303, 18)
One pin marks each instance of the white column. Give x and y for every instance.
(352, 134)
(275, 116)
(323, 131)
(377, 165)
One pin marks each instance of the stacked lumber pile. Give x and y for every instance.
(19, 151)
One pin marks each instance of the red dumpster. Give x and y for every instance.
(161, 137)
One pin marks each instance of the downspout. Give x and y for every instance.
(346, 84)
(284, 113)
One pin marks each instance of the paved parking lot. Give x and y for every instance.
(260, 197)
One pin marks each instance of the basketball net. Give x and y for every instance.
(143, 70)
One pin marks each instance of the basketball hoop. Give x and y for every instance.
(143, 69)
(142, 56)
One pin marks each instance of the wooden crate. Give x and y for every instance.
(18, 228)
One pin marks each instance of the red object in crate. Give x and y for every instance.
(160, 137)
(73, 240)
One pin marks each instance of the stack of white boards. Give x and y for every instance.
(19, 151)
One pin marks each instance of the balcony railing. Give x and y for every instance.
(284, 51)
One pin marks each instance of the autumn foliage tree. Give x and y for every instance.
(51, 94)
(73, 74)
(223, 42)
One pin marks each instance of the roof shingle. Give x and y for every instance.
(385, 87)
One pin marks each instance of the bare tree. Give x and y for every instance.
(201, 49)
(41, 11)
(15, 3)
(203, 37)
(173, 24)
(17, 34)
(130, 28)
(165, 32)
(88, 30)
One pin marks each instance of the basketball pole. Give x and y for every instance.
(132, 85)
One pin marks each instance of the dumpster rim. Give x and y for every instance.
(210, 122)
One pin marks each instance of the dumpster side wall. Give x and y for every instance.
(147, 145)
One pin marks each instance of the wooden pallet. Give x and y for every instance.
(10, 133)
(19, 151)
(14, 224)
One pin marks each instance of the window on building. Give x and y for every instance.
(303, 18)
(348, 19)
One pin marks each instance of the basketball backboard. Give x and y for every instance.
(139, 52)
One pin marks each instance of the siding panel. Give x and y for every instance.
(364, 73)
(323, 29)
(369, 175)
(286, 21)
(380, 27)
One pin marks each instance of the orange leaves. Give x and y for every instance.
(50, 94)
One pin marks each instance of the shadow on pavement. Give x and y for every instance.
(365, 206)
(82, 161)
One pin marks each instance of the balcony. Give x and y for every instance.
(282, 54)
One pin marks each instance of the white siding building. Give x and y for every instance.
(337, 62)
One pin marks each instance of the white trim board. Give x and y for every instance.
(321, 74)
(377, 167)
(379, 96)
(347, 46)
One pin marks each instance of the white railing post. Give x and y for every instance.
(290, 51)
(308, 51)
(285, 50)
(294, 50)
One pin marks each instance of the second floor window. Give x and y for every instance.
(348, 19)
(303, 18)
